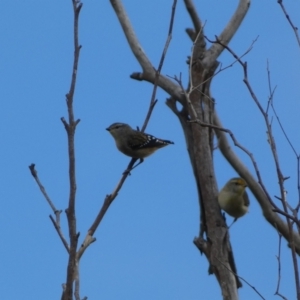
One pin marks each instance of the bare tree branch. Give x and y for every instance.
(56, 225)
(295, 29)
(34, 172)
(190, 7)
(70, 128)
(57, 212)
(198, 27)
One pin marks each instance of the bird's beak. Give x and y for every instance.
(107, 129)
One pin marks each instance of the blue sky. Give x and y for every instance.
(144, 246)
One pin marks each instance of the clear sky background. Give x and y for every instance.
(144, 247)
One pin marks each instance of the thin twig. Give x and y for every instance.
(279, 262)
(57, 212)
(295, 29)
(43, 190)
(58, 229)
(289, 142)
(253, 287)
(158, 71)
(279, 268)
(283, 131)
(287, 215)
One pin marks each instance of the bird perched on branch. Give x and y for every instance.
(233, 198)
(134, 143)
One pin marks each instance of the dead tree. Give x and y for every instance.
(195, 109)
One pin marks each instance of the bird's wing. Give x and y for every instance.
(147, 141)
(246, 199)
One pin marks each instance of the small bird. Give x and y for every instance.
(233, 198)
(134, 143)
